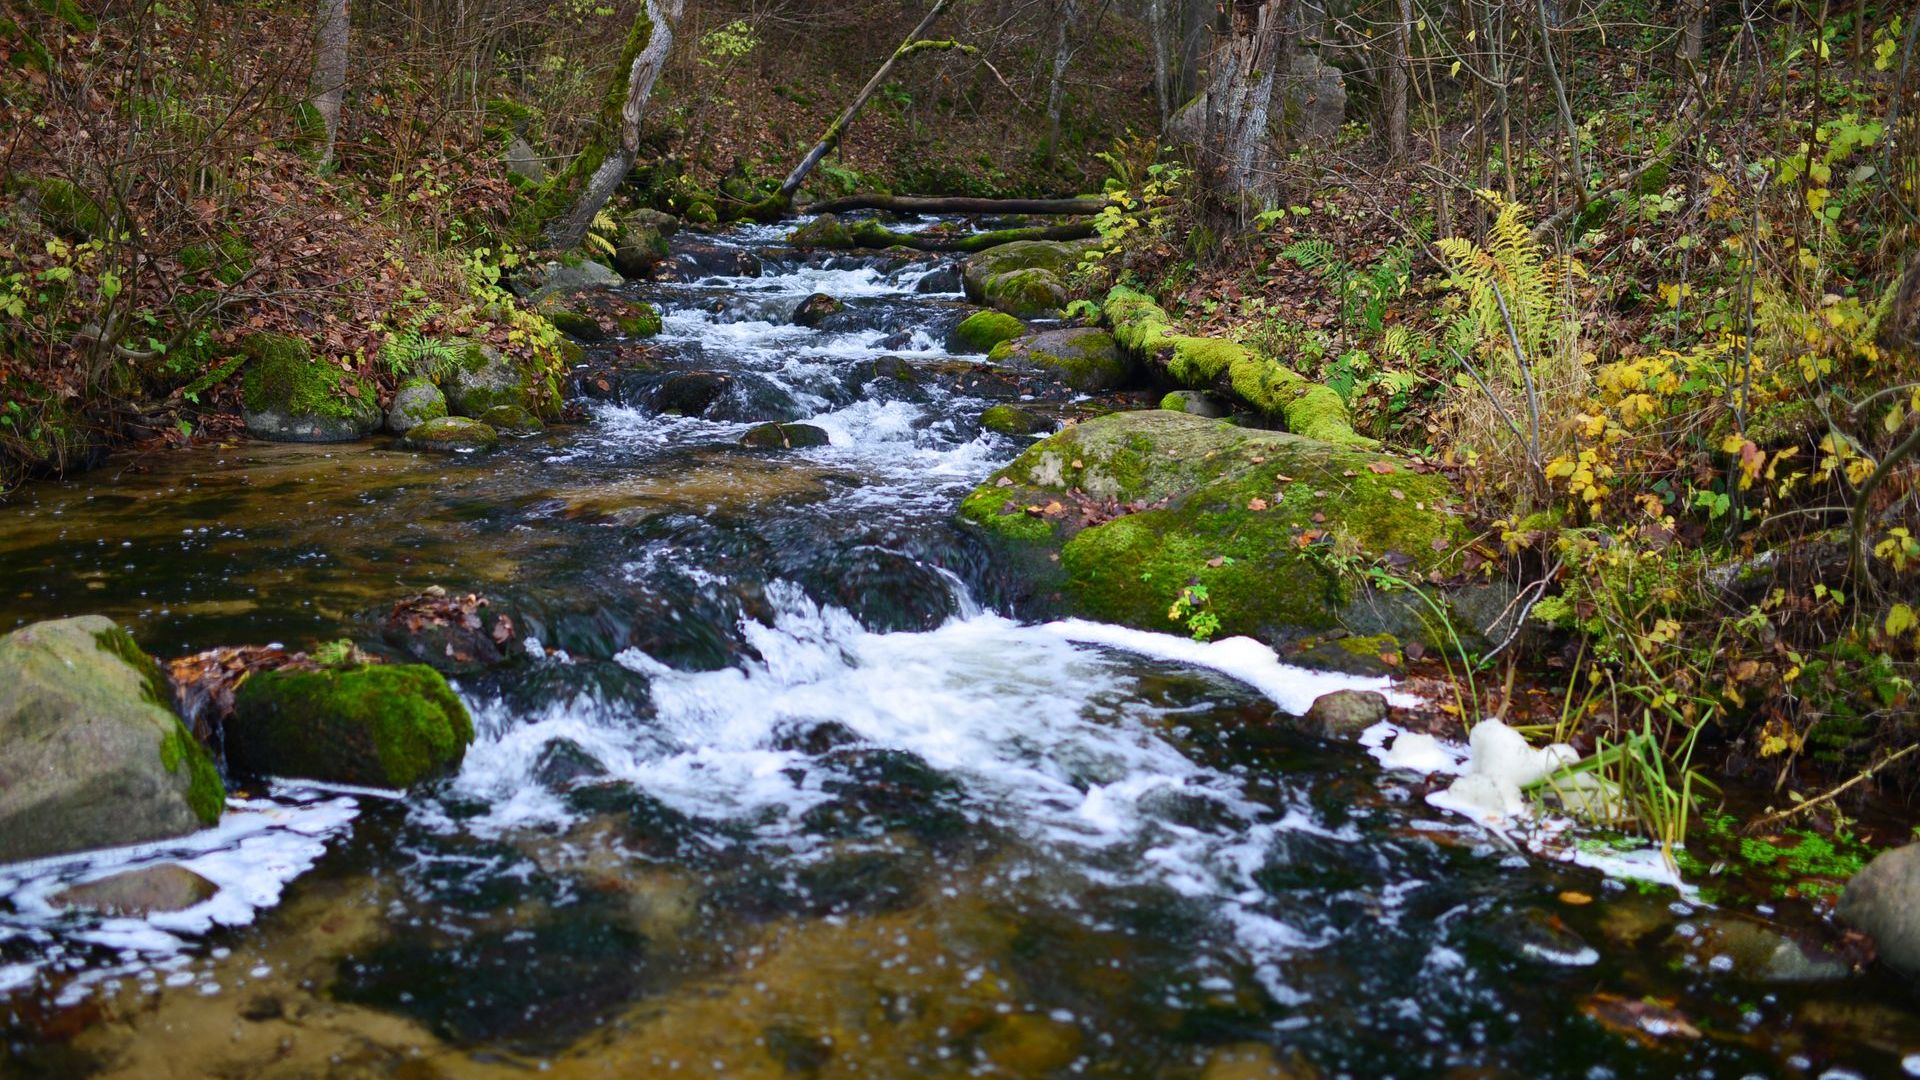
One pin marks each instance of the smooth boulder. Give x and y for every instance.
(776, 436)
(1085, 358)
(416, 402)
(139, 893)
(982, 330)
(483, 377)
(91, 753)
(1884, 900)
(384, 725)
(452, 434)
(1344, 714)
(1013, 420)
(1115, 517)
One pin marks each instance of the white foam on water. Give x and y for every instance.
(259, 846)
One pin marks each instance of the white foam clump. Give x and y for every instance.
(1500, 765)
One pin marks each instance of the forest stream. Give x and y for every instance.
(789, 793)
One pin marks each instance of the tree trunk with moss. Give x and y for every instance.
(606, 166)
(1239, 156)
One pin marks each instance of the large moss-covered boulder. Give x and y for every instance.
(416, 402)
(825, 231)
(559, 279)
(389, 726)
(91, 753)
(1085, 358)
(642, 245)
(1033, 293)
(483, 377)
(288, 396)
(1057, 258)
(1115, 517)
(982, 330)
(640, 320)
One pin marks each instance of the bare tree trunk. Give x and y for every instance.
(1157, 24)
(653, 30)
(831, 137)
(330, 70)
(1057, 86)
(1693, 19)
(1238, 146)
(1396, 103)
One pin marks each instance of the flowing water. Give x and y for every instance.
(788, 794)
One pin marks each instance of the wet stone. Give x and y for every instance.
(167, 887)
(1344, 714)
(784, 437)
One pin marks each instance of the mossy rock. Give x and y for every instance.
(1084, 358)
(388, 726)
(416, 402)
(642, 245)
(639, 321)
(784, 437)
(1033, 293)
(1250, 514)
(288, 396)
(1057, 258)
(815, 310)
(483, 377)
(1195, 402)
(982, 330)
(452, 434)
(1013, 420)
(91, 753)
(825, 231)
(512, 420)
(576, 325)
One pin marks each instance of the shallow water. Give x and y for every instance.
(788, 793)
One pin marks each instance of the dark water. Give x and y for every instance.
(786, 797)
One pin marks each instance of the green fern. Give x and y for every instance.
(1515, 268)
(410, 354)
(1311, 253)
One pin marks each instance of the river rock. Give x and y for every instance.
(825, 231)
(1058, 258)
(690, 393)
(1013, 420)
(562, 279)
(1197, 403)
(1112, 518)
(941, 279)
(139, 893)
(639, 320)
(815, 309)
(1085, 358)
(91, 753)
(696, 257)
(1750, 950)
(416, 402)
(982, 330)
(575, 324)
(1033, 293)
(524, 163)
(388, 726)
(1884, 900)
(642, 245)
(483, 377)
(288, 396)
(774, 436)
(512, 420)
(452, 434)
(1344, 714)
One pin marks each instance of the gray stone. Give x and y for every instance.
(1314, 98)
(91, 754)
(416, 402)
(1750, 950)
(560, 279)
(452, 434)
(138, 893)
(784, 437)
(1195, 403)
(482, 378)
(1884, 901)
(524, 163)
(1085, 358)
(1344, 714)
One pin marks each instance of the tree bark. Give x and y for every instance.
(653, 31)
(1057, 86)
(330, 70)
(831, 137)
(1157, 25)
(1693, 19)
(1397, 73)
(1238, 150)
(914, 204)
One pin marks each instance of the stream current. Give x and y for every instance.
(788, 792)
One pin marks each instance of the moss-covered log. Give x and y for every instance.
(956, 204)
(1306, 407)
(872, 234)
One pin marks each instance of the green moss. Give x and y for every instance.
(206, 794)
(68, 210)
(1174, 402)
(513, 420)
(574, 324)
(1369, 646)
(67, 11)
(982, 330)
(424, 407)
(119, 644)
(384, 726)
(1031, 293)
(825, 231)
(642, 320)
(283, 376)
(994, 509)
(1011, 420)
(1087, 360)
(453, 433)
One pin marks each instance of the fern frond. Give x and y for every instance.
(1311, 253)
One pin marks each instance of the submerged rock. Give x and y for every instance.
(512, 420)
(1884, 901)
(1085, 358)
(784, 437)
(1344, 714)
(388, 726)
(1115, 517)
(416, 402)
(138, 893)
(452, 434)
(982, 330)
(91, 753)
(1750, 950)
(288, 396)
(1012, 420)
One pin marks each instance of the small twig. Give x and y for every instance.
(1776, 818)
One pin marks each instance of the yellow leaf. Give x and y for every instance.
(1454, 72)
(1900, 620)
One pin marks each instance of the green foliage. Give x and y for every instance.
(730, 42)
(410, 353)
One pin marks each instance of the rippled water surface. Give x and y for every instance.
(787, 794)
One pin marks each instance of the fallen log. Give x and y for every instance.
(1142, 327)
(922, 204)
(872, 234)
